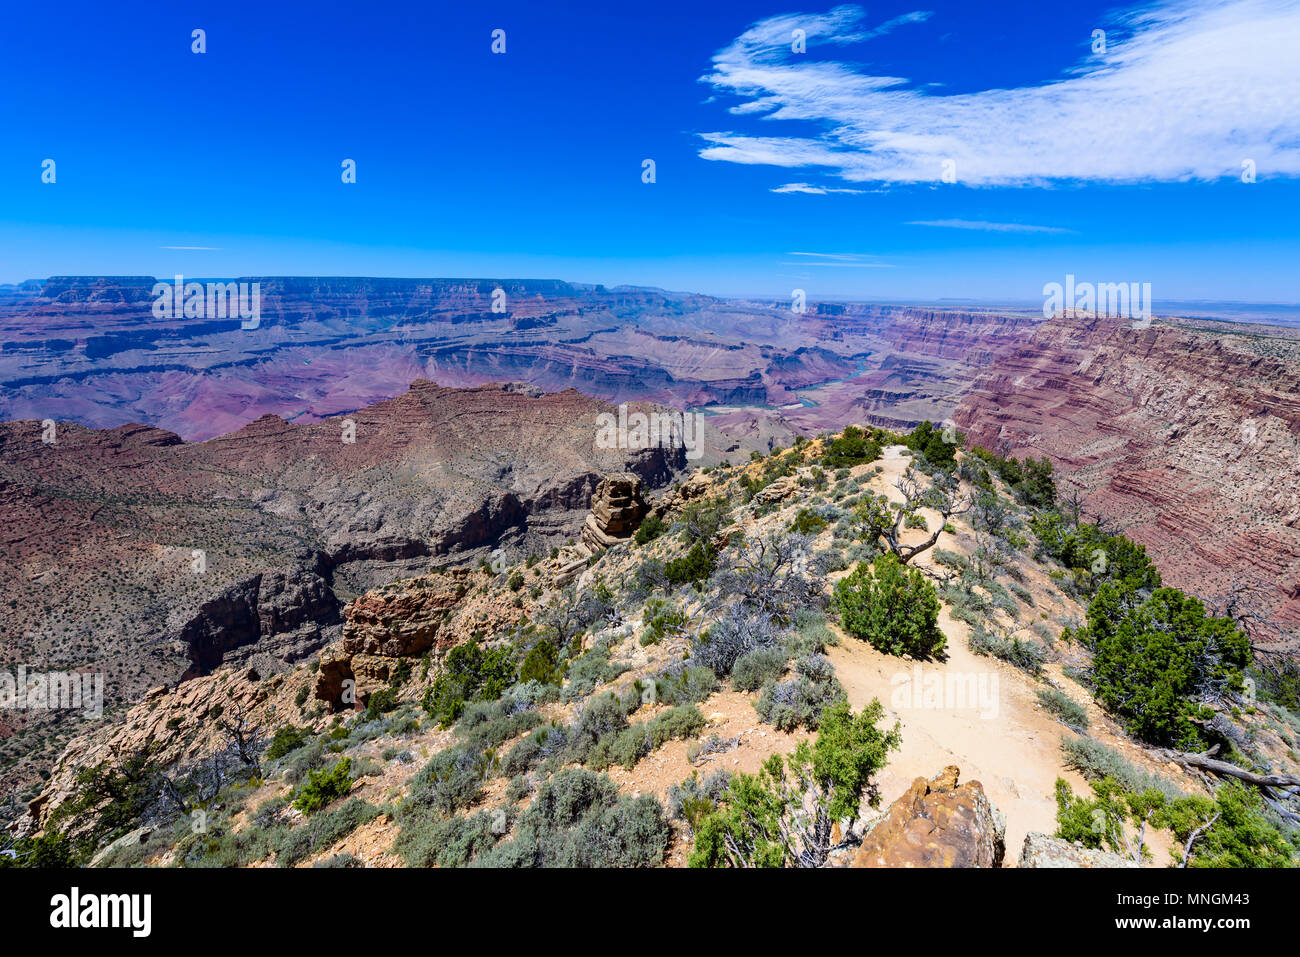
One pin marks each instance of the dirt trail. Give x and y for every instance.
(975, 712)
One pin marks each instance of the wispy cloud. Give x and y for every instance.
(814, 190)
(987, 227)
(1187, 90)
(841, 260)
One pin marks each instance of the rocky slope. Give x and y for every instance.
(1185, 436)
(133, 553)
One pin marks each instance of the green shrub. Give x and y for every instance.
(695, 565)
(287, 738)
(1027, 655)
(1030, 481)
(1233, 830)
(684, 684)
(652, 526)
(630, 745)
(451, 781)
(469, 673)
(488, 724)
(851, 447)
(808, 522)
(50, 849)
(801, 700)
(579, 819)
(542, 663)
(322, 787)
(783, 816)
(601, 717)
(892, 607)
(323, 831)
(810, 624)
(929, 441)
(589, 671)
(661, 617)
(1153, 660)
(451, 842)
(1096, 761)
(380, 703)
(541, 744)
(694, 799)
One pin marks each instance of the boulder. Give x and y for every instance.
(778, 491)
(1043, 850)
(936, 823)
(697, 485)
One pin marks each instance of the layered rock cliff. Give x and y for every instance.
(1185, 435)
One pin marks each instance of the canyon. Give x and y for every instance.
(184, 494)
(91, 351)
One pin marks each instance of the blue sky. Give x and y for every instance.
(775, 169)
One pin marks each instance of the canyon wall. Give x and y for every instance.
(1186, 435)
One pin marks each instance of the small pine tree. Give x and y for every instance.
(892, 607)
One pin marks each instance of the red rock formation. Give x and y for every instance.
(1185, 435)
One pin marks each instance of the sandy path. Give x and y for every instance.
(974, 712)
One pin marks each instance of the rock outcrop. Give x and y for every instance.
(281, 615)
(399, 620)
(936, 823)
(176, 726)
(617, 508)
(1043, 850)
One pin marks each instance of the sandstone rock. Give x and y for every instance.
(402, 619)
(696, 486)
(1043, 850)
(936, 823)
(335, 669)
(617, 508)
(778, 491)
(176, 727)
(616, 511)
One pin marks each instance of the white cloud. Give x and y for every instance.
(1187, 90)
(814, 190)
(985, 226)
